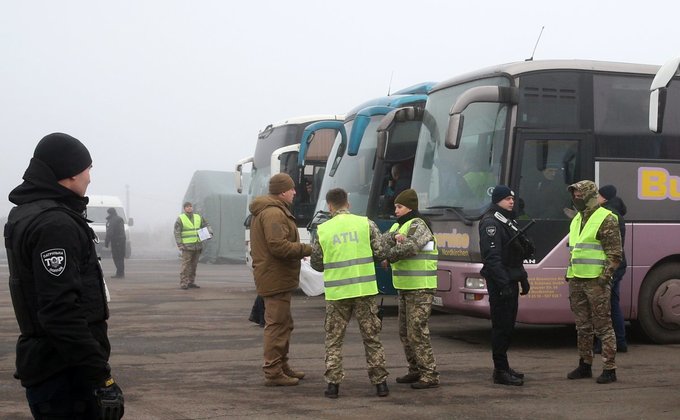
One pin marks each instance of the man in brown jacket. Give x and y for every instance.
(276, 251)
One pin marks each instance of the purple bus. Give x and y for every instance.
(539, 126)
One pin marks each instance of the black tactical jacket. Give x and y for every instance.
(503, 260)
(56, 283)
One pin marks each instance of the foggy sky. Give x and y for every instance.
(159, 89)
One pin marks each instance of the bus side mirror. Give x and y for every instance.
(492, 94)
(657, 108)
(131, 221)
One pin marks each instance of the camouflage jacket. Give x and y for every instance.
(418, 236)
(609, 233)
(377, 245)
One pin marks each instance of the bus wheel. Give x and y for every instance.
(659, 305)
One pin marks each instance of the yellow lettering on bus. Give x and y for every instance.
(657, 184)
(453, 239)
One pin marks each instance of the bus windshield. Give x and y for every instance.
(463, 177)
(268, 141)
(355, 173)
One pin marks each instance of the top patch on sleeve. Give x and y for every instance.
(491, 230)
(54, 261)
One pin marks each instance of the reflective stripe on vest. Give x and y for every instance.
(189, 229)
(418, 271)
(587, 256)
(348, 265)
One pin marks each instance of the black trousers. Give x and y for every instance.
(118, 255)
(503, 317)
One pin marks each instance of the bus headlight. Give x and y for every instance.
(475, 283)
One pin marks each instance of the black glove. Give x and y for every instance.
(110, 400)
(524, 282)
(506, 292)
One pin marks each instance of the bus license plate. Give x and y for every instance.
(437, 301)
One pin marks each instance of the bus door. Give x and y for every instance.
(544, 165)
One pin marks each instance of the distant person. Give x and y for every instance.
(400, 180)
(596, 252)
(503, 252)
(57, 288)
(345, 253)
(547, 198)
(115, 236)
(276, 251)
(412, 251)
(608, 199)
(189, 243)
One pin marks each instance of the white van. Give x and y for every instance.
(97, 212)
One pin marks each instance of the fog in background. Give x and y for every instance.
(159, 89)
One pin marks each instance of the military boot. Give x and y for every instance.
(409, 378)
(332, 391)
(292, 373)
(382, 390)
(281, 380)
(584, 370)
(608, 376)
(503, 377)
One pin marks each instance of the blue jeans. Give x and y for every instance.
(618, 321)
(62, 397)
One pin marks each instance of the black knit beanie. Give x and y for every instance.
(65, 155)
(408, 198)
(500, 192)
(608, 192)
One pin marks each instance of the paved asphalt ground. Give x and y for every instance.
(193, 354)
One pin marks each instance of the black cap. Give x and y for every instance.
(65, 155)
(500, 192)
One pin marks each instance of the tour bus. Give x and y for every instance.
(271, 142)
(537, 124)
(352, 163)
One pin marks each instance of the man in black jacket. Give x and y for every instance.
(57, 288)
(503, 251)
(115, 237)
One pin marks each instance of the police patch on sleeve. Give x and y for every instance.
(54, 261)
(491, 230)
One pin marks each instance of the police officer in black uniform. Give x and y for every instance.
(503, 248)
(58, 290)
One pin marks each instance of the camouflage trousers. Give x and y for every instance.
(415, 307)
(338, 315)
(189, 262)
(591, 304)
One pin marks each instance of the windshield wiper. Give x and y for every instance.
(458, 211)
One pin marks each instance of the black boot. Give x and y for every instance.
(584, 370)
(332, 391)
(516, 374)
(503, 377)
(608, 376)
(382, 390)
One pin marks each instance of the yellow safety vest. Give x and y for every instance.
(587, 256)
(349, 270)
(189, 229)
(418, 271)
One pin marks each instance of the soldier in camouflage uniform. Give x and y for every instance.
(595, 243)
(412, 250)
(345, 251)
